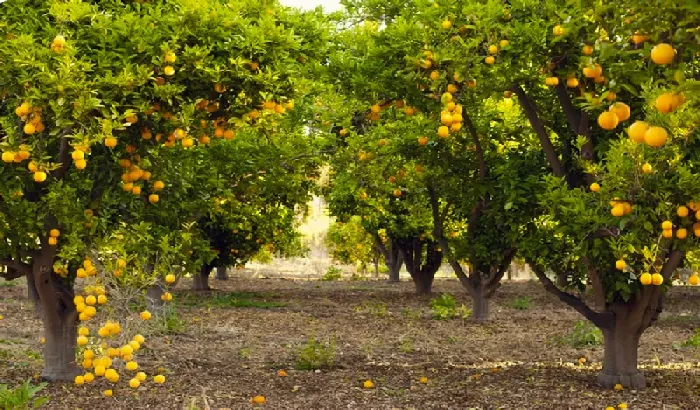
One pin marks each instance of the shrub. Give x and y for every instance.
(584, 334)
(522, 303)
(22, 397)
(314, 355)
(445, 307)
(333, 273)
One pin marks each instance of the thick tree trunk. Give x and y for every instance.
(480, 305)
(59, 349)
(201, 280)
(620, 357)
(221, 272)
(424, 283)
(394, 272)
(59, 318)
(33, 295)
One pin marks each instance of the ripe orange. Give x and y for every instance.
(551, 81)
(368, 384)
(446, 118)
(169, 71)
(443, 132)
(29, 128)
(618, 210)
(447, 24)
(693, 280)
(422, 140)
(490, 60)
(666, 225)
(434, 75)
(647, 168)
(493, 49)
(637, 130)
(159, 379)
(153, 198)
(558, 30)
(595, 187)
(682, 211)
(645, 279)
(665, 103)
(622, 111)
(504, 43)
(657, 279)
(608, 120)
(682, 233)
(397, 192)
(663, 54)
(110, 142)
(620, 264)
(593, 71)
(587, 50)
(655, 136)
(158, 185)
(667, 233)
(572, 82)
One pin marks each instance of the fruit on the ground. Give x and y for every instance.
(368, 384)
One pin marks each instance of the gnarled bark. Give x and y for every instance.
(59, 318)
(481, 311)
(392, 257)
(201, 279)
(221, 272)
(422, 271)
(621, 341)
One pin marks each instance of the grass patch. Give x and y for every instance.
(522, 303)
(8, 283)
(228, 300)
(22, 397)
(693, 340)
(377, 309)
(445, 307)
(314, 355)
(332, 274)
(583, 334)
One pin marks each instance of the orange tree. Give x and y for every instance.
(89, 90)
(445, 144)
(605, 95)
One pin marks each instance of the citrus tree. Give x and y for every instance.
(606, 99)
(100, 104)
(349, 243)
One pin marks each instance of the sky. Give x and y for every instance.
(328, 5)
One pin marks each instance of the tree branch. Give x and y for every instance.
(64, 156)
(478, 148)
(495, 281)
(15, 268)
(547, 146)
(599, 319)
(596, 283)
(573, 116)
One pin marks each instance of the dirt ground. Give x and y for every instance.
(228, 346)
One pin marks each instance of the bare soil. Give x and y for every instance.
(238, 336)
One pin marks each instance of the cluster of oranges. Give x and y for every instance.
(58, 44)
(32, 118)
(131, 177)
(451, 115)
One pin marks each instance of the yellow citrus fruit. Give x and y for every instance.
(682, 211)
(647, 168)
(637, 130)
(655, 136)
(572, 82)
(622, 111)
(665, 103)
(595, 187)
(587, 50)
(39, 176)
(107, 393)
(667, 233)
(131, 365)
(608, 120)
(170, 278)
(662, 54)
(618, 210)
(682, 233)
(134, 383)
(693, 280)
(83, 331)
(159, 379)
(158, 185)
(447, 24)
(657, 279)
(153, 198)
(493, 49)
(490, 60)
(443, 132)
(145, 315)
(169, 70)
(645, 279)
(368, 384)
(79, 380)
(620, 264)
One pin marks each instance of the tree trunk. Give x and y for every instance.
(33, 295)
(562, 280)
(620, 357)
(221, 272)
(153, 301)
(424, 283)
(394, 271)
(59, 349)
(201, 280)
(480, 305)
(59, 318)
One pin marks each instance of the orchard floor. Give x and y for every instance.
(233, 344)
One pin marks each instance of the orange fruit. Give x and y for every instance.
(647, 168)
(422, 140)
(682, 211)
(595, 187)
(169, 71)
(587, 50)
(667, 233)
(558, 30)
(620, 264)
(490, 60)
(645, 279)
(665, 103)
(622, 111)
(655, 136)
(682, 233)
(637, 130)
(572, 82)
(657, 279)
(618, 210)
(443, 132)
(663, 54)
(593, 71)
(608, 120)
